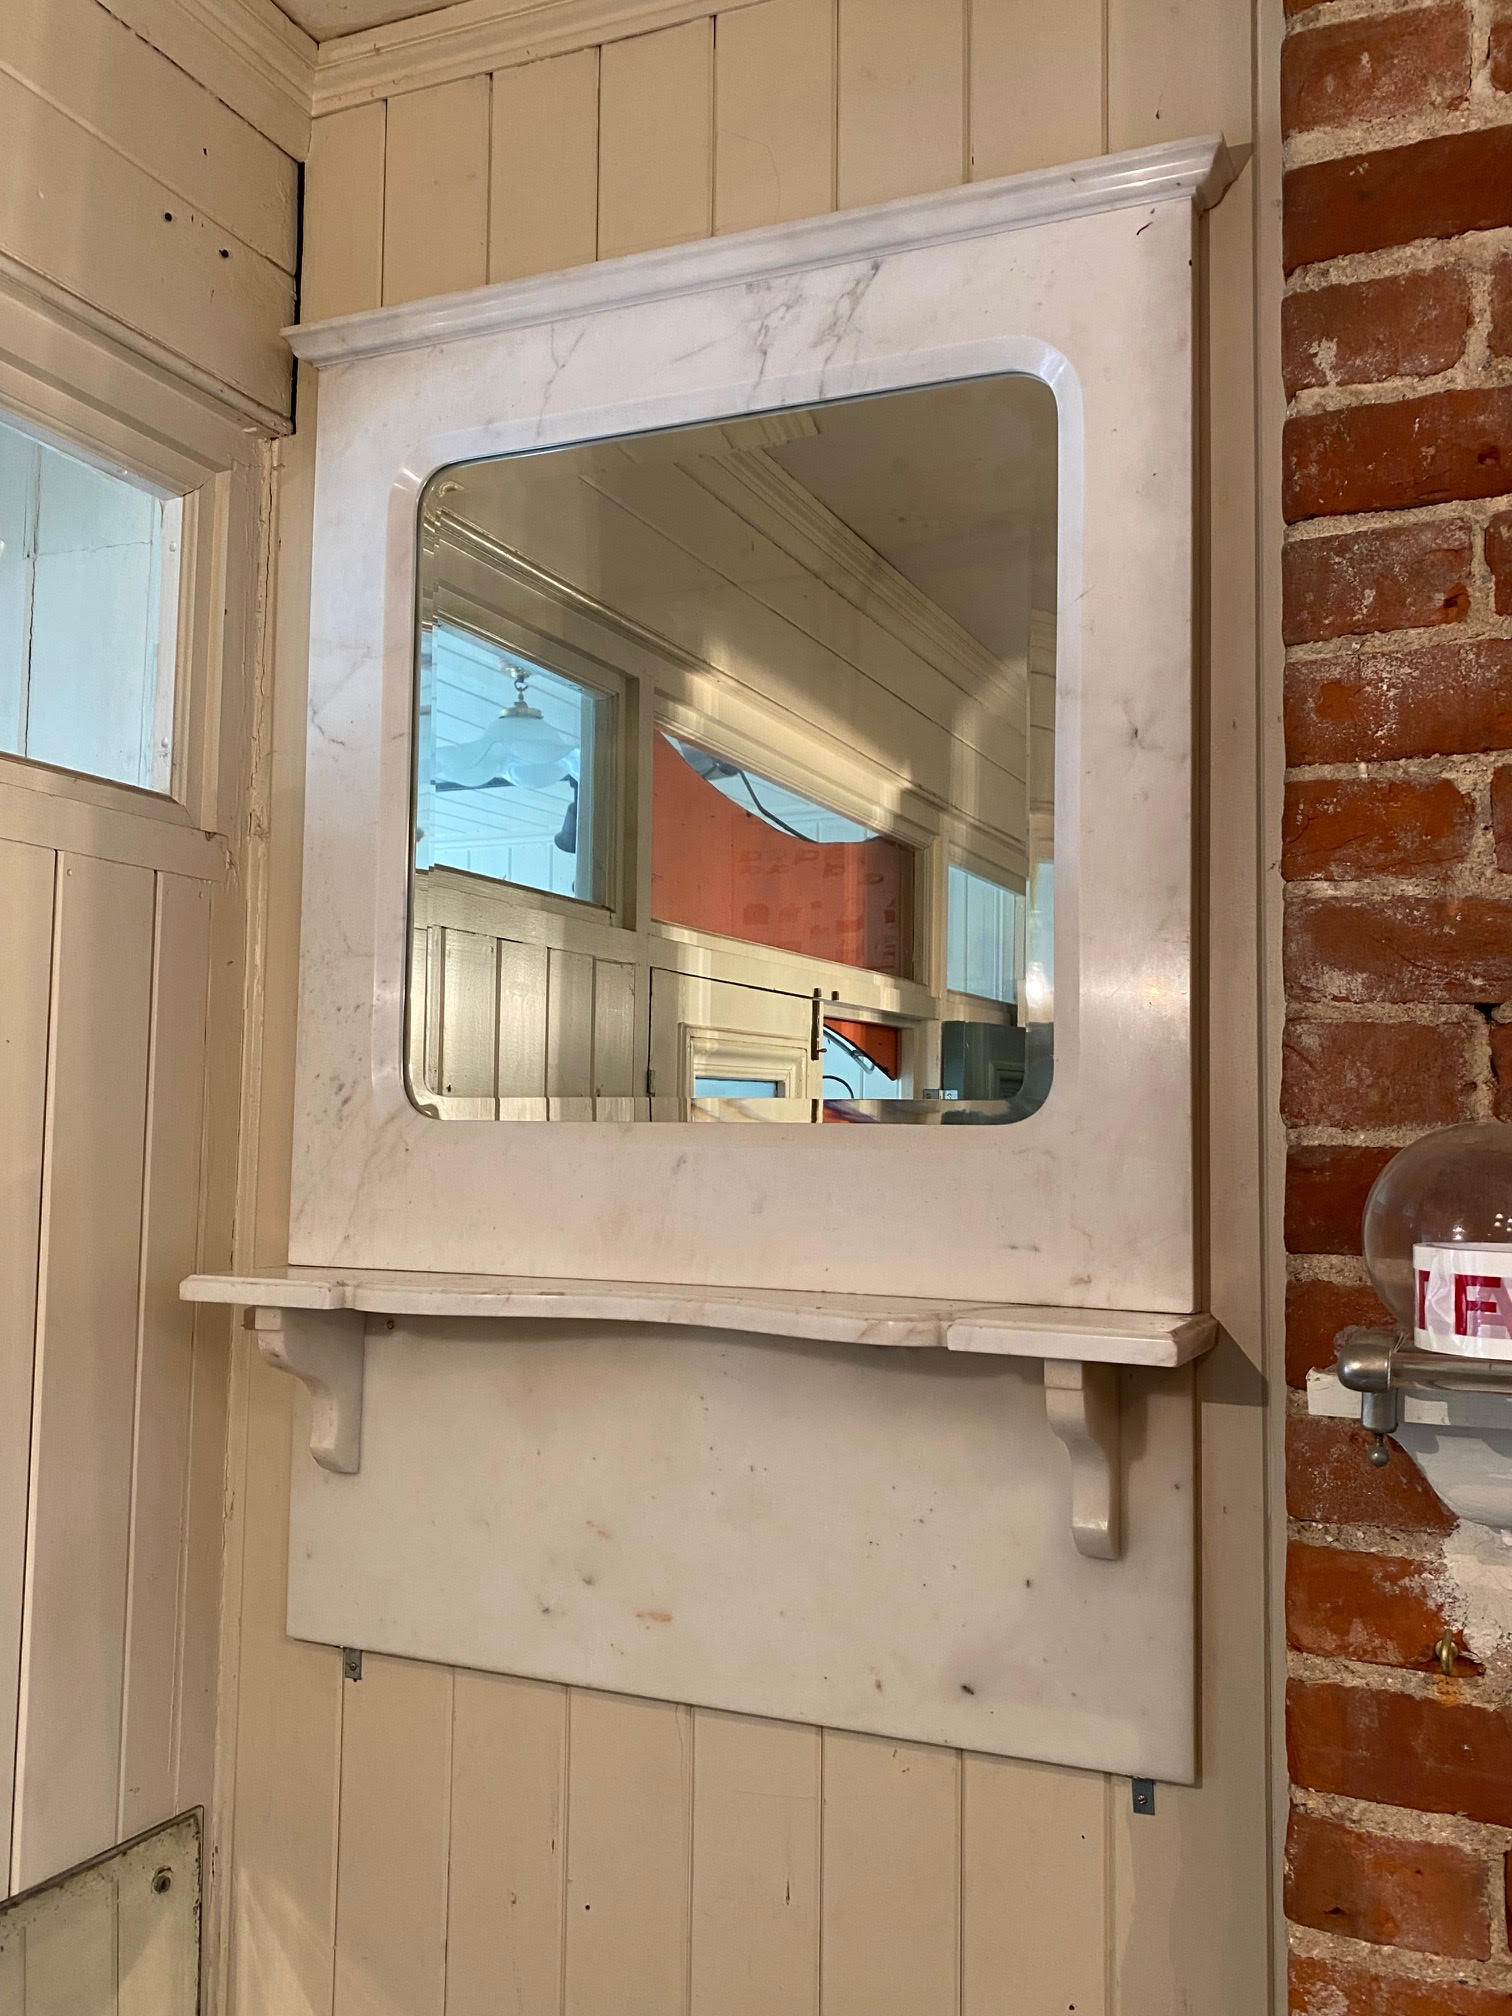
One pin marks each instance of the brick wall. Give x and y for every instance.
(1397, 853)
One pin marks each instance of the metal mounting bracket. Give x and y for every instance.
(323, 1350)
(1081, 1401)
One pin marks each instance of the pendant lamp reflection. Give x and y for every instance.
(521, 747)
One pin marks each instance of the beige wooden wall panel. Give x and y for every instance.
(69, 1740)
(1190, 1885)
(90, 65)
(395, 1822)
(892, 1871)
(543, 169)
(774, 113)
(435, 207)
(26, 901)
(902, 99)
(1178, 67)
(756, 1815)
(656, 140)
(137, 250)
(343, 250)
(506, 1896)
(1037, 90)
(287, 1740)
(629, 1838)
(1034, 1907)
(165, 1353)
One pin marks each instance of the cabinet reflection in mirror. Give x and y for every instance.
(735, 769)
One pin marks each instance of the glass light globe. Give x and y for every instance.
(1453, 1188)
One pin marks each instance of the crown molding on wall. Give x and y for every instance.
(246, 51)
(475, 36)
(1194, 171)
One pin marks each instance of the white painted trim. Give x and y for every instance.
(61, 307)
(246, 51)
(1196, 170)
(481, 35)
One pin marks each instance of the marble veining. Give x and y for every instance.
(1089, 1203)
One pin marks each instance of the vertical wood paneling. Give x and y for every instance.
(1033, 1888)
(656, 141)
(343, 214)
(288, 1745)
(200, 1589)
(569, 1026)
(395, 1799)
(902, 99)
(469, 1024)
(508, 1849)
(629, 1826)
(1036, 94)
(891, 1915)
(613, 1030)
(755, 1867)
(522, 1026)
(543, 169)
(1176, 68)
(435, 200)
(774, 113)
(165, 1351)
(26, 897)
(69, 1745)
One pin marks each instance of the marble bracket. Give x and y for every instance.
(1081, 1403)
(324, 1351)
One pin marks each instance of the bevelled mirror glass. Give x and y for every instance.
(734, 770)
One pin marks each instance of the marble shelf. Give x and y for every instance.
(310, 1322)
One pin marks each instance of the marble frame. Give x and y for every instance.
(1084, 276)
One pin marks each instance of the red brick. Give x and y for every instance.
(1390, 577)
(1499, 335)
(1408, 325)
(1342, 829)
(1501, 1070)
(1331, 1482)
(1501, 817)
(1355, 1075)
(1499, 560)
(1399, 948)
(1386, 66)
(1316, 1311)
(1499, 55)
(1394, 453)
(1427, 1896)
(1430, 189)
(1326, 1190)
(1442, 698)
(1376, 1608)
(1321, 1987)
(1437, 1753)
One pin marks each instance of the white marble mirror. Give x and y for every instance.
(492, 473)
(734, 769)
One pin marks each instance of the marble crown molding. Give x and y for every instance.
(1198, 171)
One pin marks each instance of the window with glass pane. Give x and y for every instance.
(514, 768)
(981, 936)
(89, 565)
